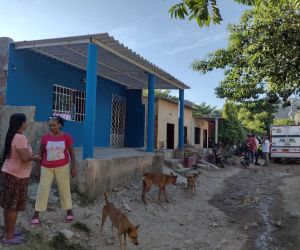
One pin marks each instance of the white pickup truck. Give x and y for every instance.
(285, 142)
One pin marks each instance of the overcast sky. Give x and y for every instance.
(143, 25)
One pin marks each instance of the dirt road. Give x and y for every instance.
(257, 208)
(264, 203)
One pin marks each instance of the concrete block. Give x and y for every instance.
(96, 176)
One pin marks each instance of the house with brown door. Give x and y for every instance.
(197, 130)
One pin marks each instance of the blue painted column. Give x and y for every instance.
(181, 120)
(150, 130)
(90, 104)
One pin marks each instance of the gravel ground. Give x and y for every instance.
(223, 215)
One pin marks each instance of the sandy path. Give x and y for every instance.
(185, 223)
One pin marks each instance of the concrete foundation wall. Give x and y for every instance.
(102, 175)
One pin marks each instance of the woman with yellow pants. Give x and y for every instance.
(58, 161)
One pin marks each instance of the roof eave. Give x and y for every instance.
(99, 39)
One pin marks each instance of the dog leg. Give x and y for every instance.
(104, 217)
(146, 189)
(164, 190)
(144, 192)
(159, 195)
(112, 231)
(121, 241)
(125, 239)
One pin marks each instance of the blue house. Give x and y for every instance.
(95, 83)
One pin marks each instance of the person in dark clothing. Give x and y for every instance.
(256, 150)
(218, 154)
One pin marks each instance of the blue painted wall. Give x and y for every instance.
(103, 112)
(135, 119)
(30, 83)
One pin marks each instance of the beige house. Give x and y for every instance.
(166, 126)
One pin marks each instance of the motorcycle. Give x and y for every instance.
(218, 156)
(243, 152)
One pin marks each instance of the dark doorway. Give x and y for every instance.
(185, 136)
(204, 138)
(170, 136)
(197, 135)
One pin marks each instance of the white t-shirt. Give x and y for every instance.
(266, 146)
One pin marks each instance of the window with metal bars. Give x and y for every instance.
(68, 103)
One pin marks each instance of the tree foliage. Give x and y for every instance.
(231, 131)
(205, 12)
(283, 121)
(256, 117)
(203, 109)
(262, 60)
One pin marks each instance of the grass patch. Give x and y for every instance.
(81, 227)
(37, 241)
(84, 200)
(34, 241)
(59, 242)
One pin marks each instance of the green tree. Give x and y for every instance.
(205, 12)
(283, 121)
(203, 109)
(252, 122)
(261, 61)
(165, 93)
(256, 117)
(231, 131)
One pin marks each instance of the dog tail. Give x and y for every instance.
(106, 198)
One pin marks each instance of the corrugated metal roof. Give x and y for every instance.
(115, 61)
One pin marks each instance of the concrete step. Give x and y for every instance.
(173, 163)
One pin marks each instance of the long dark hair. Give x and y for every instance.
(15, 123)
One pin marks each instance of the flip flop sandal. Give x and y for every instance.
(13, 241)
(35, 222)
(17, 233)
(70, 218)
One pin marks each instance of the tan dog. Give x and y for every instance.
(160, 180)
(121, 222)
(191, 183)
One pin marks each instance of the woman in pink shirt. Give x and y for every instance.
(58, 161)
(15, 175)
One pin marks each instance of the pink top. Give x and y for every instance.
(56, 150)
(14, 165)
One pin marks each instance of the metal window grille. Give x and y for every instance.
(118, 115)
(68, 103)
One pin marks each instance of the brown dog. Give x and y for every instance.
(160, 180)
(120, 222)
(191, 183)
